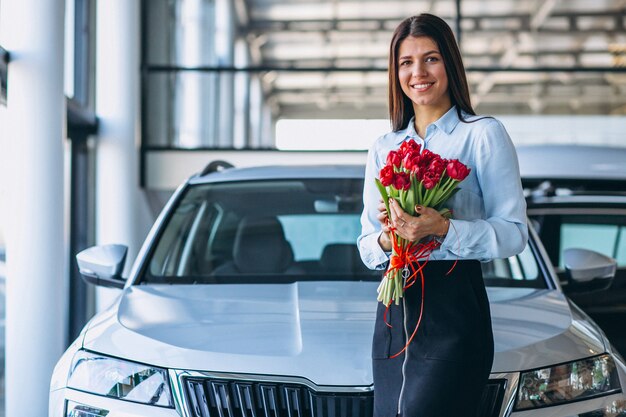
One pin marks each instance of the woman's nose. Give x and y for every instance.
(419, 69)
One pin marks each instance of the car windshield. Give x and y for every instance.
(278, 231)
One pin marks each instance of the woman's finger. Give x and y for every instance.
(394, 208)
(383, 219)
(397, 213)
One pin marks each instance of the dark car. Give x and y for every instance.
(576, 198)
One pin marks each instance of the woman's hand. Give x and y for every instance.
(429, 222)
(384, 240)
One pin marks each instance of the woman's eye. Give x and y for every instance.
(431, 59)
(405, 63)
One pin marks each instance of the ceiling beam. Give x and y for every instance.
(152, 68)
(467, 57)
(525, 22)
(500, 105)
(374, 89)
(502, 97)
(512, 50)
(541, 15)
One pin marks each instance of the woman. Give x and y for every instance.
(443, 371)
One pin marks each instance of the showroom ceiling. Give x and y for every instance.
(522, 56)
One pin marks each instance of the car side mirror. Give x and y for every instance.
(588, 270)
(103, 265)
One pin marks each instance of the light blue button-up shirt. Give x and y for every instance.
(489, 210)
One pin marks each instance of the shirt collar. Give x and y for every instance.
(446, 123)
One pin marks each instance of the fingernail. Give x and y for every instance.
(418, 207)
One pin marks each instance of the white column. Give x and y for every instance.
(256, 104)
(224, 45)
(241, 105)
(268, 127)
(32, 152)
(191, 97)
(117, 105)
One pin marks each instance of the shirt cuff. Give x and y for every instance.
(375, 257)
(452, 241)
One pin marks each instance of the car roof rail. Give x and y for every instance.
(215, 166)
(543, 189)
(549, 187)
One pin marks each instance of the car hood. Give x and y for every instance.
(318, 330)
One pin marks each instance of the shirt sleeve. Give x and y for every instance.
(504, 231)
(373, 256)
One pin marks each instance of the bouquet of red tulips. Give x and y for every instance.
(414, 178)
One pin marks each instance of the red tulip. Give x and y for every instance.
(386, 175)
(430, 180)
(411, 161)
(418, 172)
(402, 181)
(409, 147)
(437, 166)
(457, 170)
(427, 157)
(394, 159)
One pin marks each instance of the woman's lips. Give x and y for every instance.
(421, 87)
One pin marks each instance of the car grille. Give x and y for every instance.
(229, 398)
(238, 398)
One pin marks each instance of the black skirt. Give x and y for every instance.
(446, 366)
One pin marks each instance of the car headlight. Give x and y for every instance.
(573, 381)
(110, 377)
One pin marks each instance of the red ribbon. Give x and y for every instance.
(409, 256)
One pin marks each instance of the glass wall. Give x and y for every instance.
(193, 97)
(222, 74)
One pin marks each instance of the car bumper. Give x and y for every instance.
(608, 406)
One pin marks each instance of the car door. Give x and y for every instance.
(601, 230)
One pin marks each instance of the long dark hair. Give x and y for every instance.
(400, 106)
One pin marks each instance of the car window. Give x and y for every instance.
(603, 238)
(516, 271)
(281, 231)
(598, 232)
(620, 252)
(310, 234)
(263, 230)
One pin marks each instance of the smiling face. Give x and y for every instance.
(422, 74)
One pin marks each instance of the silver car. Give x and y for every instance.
(248, 298)
(582, 204)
